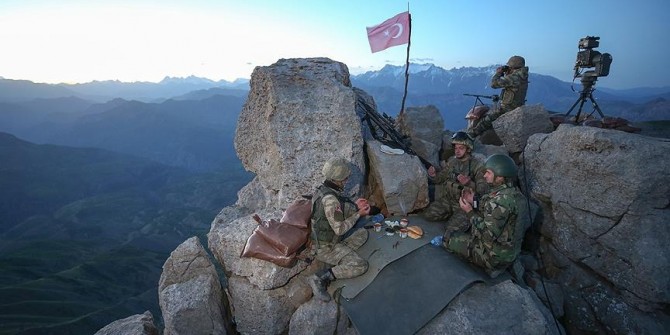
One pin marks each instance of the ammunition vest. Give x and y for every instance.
(321, 229)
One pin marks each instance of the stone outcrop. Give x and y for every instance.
(516, 311)
(605, 195)
(140, 324)
(298, 114)
(514, 127)
(398, 183)
(190, 293)
(424, 126)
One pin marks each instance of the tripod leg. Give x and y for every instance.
(579, 111)
(573, 106)
(595, 106)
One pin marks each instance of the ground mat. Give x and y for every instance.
(411, 291)
(381, 249)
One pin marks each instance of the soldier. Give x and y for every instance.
(496, 230)
(332, 216)
(461, 171)
(513, 79)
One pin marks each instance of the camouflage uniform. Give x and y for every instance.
(496, 231)
(334, 215)
(448, 189)
(515, 86)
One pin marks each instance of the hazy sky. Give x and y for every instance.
(145, 40)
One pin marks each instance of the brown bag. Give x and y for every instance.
(258, 247)
(278, 242)
(283, 236)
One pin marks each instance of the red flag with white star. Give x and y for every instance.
(392, 32)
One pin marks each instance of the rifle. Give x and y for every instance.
(478, 97)
(385, 125)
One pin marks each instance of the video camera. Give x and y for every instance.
(589, 58)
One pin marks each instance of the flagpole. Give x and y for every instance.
(409, 42)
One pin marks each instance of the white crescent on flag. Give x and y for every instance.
(384, 35)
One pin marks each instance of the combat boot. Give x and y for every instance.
(319, 283)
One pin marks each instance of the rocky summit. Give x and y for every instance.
(595, 260)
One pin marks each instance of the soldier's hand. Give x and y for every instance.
(463, 179)
(465, 206)
(363, 211)
(468, 195)
(361, 202)
(431, 171)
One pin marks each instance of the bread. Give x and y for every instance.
(414, 232)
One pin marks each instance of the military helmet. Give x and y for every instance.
(501, 165)
(516, 62)
(336, 169)
(461, 137)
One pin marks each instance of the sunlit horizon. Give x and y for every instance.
(76, 41)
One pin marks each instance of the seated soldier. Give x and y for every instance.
(462, 171)
(332, 216)
(496, 230)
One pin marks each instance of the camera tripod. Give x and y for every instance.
(587, 92)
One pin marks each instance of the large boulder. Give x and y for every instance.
(606, 196)
(514, 127)
(399, 183)
(189, 292)
(504, 308)
(298, 114)
(423, 126)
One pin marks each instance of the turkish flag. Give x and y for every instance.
(392, 32)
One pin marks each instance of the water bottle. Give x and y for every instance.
(436, 241)
(378, 218)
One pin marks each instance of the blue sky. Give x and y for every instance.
(146, 40)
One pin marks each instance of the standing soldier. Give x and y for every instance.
(332, 216)
(461, 171)
(513, 79)
(496, 230)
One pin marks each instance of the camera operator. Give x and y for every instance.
(513, 79)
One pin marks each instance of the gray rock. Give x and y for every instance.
(400, 182)
(424, 127)
(227, 240)
(139, 324)
(605, 195)
(504, 308)
(514, 127)
(189, 292)
(298, 114)
(259, 311)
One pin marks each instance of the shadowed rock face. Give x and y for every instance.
(606, 197)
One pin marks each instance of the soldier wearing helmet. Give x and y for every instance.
(462, 170)
(513, 79)
(333, 215)
(496, 230)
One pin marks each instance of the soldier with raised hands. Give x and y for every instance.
(461, 171)
(493, 240)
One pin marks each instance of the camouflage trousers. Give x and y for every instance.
(486, 122)
(444, 206)
(463, 245)
(342, 256)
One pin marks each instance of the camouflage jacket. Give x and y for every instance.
(498, 227)
(514, 85)
(332, 214)
(471, 167)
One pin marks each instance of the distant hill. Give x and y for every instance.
(182, 133)
(84, 232)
